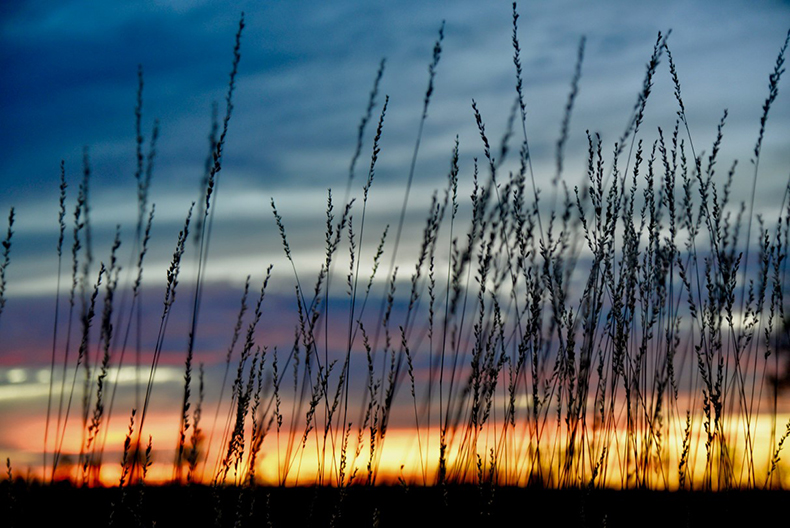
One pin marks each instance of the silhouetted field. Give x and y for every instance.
(387, 506)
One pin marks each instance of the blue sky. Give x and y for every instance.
(70, 80)
(305, 75)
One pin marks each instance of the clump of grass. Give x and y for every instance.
(10, 496)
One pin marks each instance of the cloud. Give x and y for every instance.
(305, 75)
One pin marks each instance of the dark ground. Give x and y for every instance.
(397, 507)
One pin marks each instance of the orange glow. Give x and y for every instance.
(414, 460)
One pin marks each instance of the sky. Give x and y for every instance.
(306, 71)
(303, 84)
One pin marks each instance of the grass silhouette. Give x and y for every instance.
(622, 338)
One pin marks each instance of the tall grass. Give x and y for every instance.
(626, 334)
